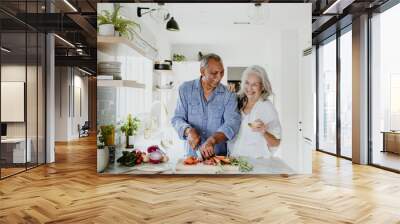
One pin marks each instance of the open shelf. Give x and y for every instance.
(120, 83)
(162, 89)
(163, 72)
(120, 46)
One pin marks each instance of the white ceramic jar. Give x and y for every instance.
(106, 30)
(102, 159)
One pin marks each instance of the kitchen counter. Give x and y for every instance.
(273, 165)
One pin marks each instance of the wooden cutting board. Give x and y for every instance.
(201, 168)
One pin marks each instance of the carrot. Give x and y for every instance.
(216, 160)
(226, 160)
(190, 160)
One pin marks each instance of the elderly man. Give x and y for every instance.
(206, 114)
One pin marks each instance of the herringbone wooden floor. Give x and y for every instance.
(70, 191)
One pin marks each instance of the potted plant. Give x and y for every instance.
(130, 128)
(105, 24)
(178, 57)
(108, 134)
(102, 153)
(109, 23)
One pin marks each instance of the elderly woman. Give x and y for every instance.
(260, 130)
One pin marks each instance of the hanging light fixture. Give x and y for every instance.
(161, 15)
(257, 14)
(172, 25)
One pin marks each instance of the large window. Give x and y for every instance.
(334, 106)
(346, 93)
(327, 96)
(385, 89)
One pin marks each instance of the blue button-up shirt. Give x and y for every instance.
(217, 114)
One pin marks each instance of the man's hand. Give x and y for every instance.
(207, 149)
(193, 137)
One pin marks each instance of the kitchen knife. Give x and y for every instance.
(198, 153)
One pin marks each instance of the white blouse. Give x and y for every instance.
(253, 144)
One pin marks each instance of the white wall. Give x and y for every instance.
(33, 127)
(17, 73)
(66, 121)
(278, 47)
(61, 103)
(79, 117)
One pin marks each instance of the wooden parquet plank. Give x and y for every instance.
(70, 191)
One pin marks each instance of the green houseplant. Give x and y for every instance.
(124, 27)
(107, 133)
(178, 57)
(130, 128)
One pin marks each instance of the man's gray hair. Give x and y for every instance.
(206, 58)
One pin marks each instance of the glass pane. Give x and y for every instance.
(13, 87)
(327, 97)
(41, 99)
(386, 89)
(31, 99)
(346, 94)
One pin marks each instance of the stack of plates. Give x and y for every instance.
(109, 70)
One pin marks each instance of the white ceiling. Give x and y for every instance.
(212, 23)
(208, 23)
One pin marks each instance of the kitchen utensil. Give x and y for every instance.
(165, 65)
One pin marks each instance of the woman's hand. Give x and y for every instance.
(259, 126)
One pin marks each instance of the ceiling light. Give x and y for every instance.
(70, 5)
(338, 6)
(84, 71)
(79, 51)
(65, 41)
(5, 50)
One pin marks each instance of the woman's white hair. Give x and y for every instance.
(266, 90)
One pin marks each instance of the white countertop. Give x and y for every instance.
(260, 166)
(273, 165)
